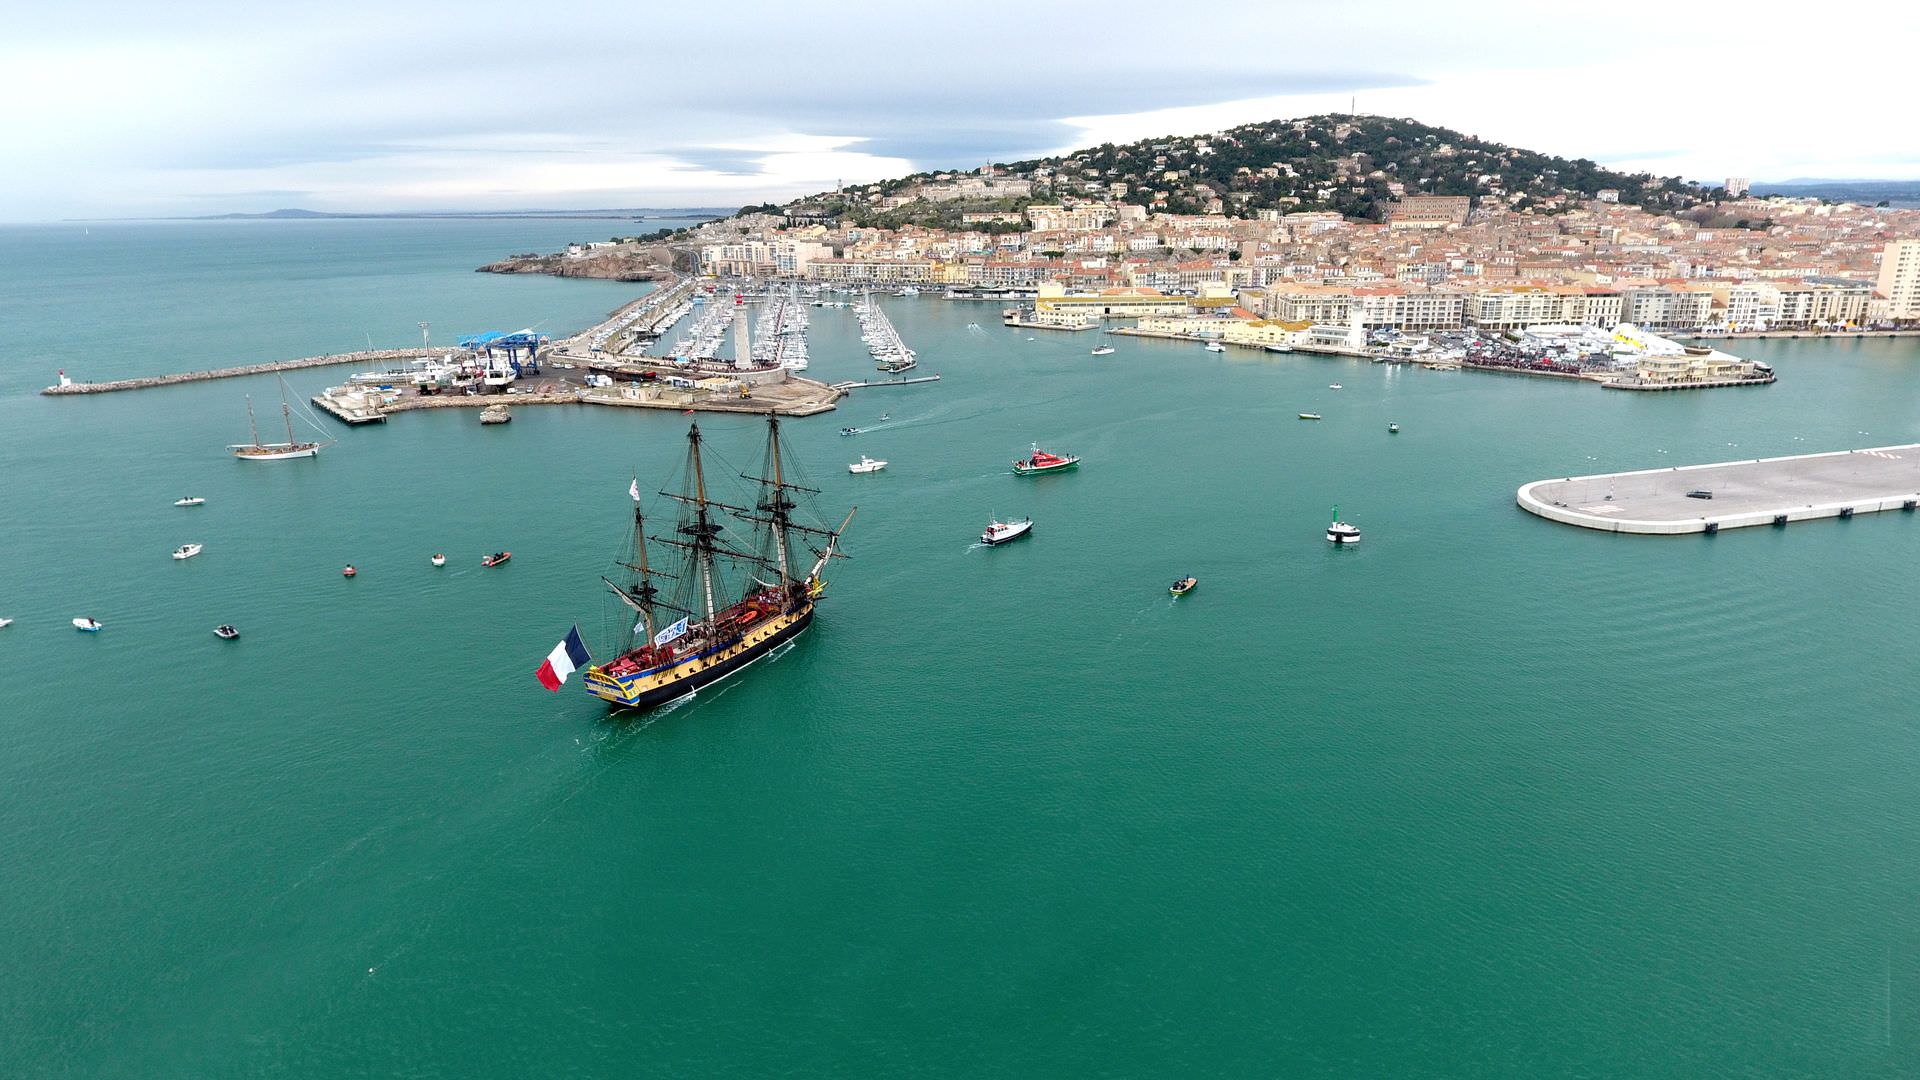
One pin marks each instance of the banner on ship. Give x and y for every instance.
(670, 633)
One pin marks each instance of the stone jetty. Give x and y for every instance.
(364, 357)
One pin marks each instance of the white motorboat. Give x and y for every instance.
(1103, 350)
(186, 551)
(91, 626)
(1341, 532)
(1214, 346)
(866, 465)
(191, 500)
(885, 416)
(849, 431)
(4, 623)
(999, 532)
(1309, 416)
(1280, 348)
(1335, 386)
(226, 632)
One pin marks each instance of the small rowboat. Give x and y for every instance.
(496, 558)
(439, 559)
(225, 632)
(1183, 586)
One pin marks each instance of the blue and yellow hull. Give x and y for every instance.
(659, 685)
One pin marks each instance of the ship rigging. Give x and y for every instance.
(701, 628)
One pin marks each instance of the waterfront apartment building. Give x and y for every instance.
(1667, 307)
(1900, 279)
(1380, 307)
(762, 258)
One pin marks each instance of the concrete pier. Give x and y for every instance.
(364, 357)
(1762, 491)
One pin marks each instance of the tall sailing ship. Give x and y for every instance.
(292, 448)
(723, 613)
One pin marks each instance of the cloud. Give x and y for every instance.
(368, 105)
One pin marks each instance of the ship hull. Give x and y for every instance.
(1023, 469)
(274, 453)
(649, 690)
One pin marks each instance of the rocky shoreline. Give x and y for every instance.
(626, 262)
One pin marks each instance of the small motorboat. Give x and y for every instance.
(999, 532)
(91, 626)
(1280, 348)
(496, 558)
(1214, 346)
(225, 632)
(1183, 586)
(1393, 429)
(849, 431)
(1335, 386)
(1309, 416)
(866, 465)
(349, 571)
(4, 623)
(1103, 350)
(1341, 533)
(885, 416)
(186, 551)
(191, 500)
(439, 559)
(1040, 461)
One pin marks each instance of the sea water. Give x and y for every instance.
(1482, 796)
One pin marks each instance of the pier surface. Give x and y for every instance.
(365, 356)
(1765, 491)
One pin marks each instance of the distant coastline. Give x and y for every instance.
(639, 213)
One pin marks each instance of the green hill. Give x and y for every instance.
(1348, 164)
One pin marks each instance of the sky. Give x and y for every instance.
(131, 108)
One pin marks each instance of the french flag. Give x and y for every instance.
(566, 658)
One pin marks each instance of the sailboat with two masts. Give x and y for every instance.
(718, 630)
(292, 448)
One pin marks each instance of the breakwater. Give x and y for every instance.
(364, 356)
(1733, 494)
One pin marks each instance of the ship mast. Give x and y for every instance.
(778, 506)
(252, 425)
(286, 413)
(702, 530)
(643, 589)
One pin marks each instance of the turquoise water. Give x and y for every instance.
(1484, 796)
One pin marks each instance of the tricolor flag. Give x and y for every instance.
(671, 632)
(566, 658)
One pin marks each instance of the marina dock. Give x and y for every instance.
(1733, 494)
(886, 382)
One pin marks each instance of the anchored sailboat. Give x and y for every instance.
(697, 632)
(292, 448)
